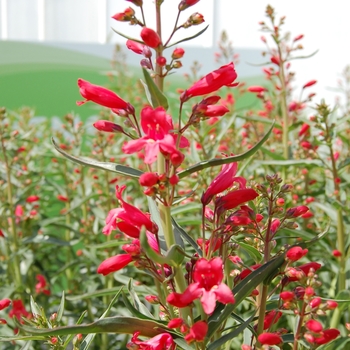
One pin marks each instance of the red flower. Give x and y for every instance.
(184, 4)
(4, 303)
(269, 339)
(235, 198)
(247, 272)
(32, 199)
(287, 296)
(158, 127)
(114, 263)
(127, 219)
(307, 267)
(208, 286)
(62, 198)
(197, 332)
(162, 341)
(222, 182)
(148, 179)
(304, 129)
(310, 83)
(40, 287)
(100, 95)
(271, 318)
(327, 336)
(224, 76)
(136, 47)
(297, 211)
(107, 126)
(178, 53)
(18, 310)
(336, 253)
(256, 89)
(150, 37)
(314, 326)
(296, 253)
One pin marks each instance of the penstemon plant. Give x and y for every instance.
(238, 272)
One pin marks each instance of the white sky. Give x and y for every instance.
(325, 25)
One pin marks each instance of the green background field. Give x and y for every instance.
(45, 78)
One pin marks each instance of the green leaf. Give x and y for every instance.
(40, 239)
(173, 257)
(189, 38)
(290, 162)
(137, 303)
(34, 307)
(254, 253)
(273, 155)
(61, 308)
(288, 338)
(128, 37)
(116, 168)
(90, 337)
(185, 236)
(241, 291)
(117, 324)
(225, 338)
(216, 162)
(344, 163)
(183, 344)
(95, 294)
(155, 97)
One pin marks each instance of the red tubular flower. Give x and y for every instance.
(18, 310)
(197, 332)
(247, 272)
(224, 76)
(296, 253)
(32, 199)
(304, 129)
(127, 219)
(135, 47)
(100, 95)
(178, 53)
(62, 198)
(315, 302)
(184, 4)
(41, 286)
(222, 182)
(327, 336)
(307, 267)
(314, 326)
(107, 126)
(297, 211)
(310, 83)
(175, 323)
(4, 303)
(287, 296)
(257, 89)
(150, 37)
(235, 198)
(148, 179)
(269, 339)
(114, 263)
(331, 304)
(275, 60)
(271, 318)
(157, 127)
(208, 286)
(162, 341)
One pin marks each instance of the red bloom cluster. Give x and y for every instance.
(207, 286)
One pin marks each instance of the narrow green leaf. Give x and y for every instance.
(135, 312)
(189, 38)
(344, 163)
(216, 162)
(241, 291)
(185, 236)
(27, 345)
(61, 308)
(137, 302)
(226, 337)
(117, 324)
(157, 98)
(254, 253)
(290, 162)
(116, 168)
(127, 37)
(90, 337)
(95, 294)
(173, 257)
(34, 307)
(183, 344)
(288, 338)
(40, 239)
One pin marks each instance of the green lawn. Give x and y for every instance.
(45, 78)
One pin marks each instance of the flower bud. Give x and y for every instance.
(150, 37)
(184, 4)
(177, 64)
(161, 61)
(178, 53)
